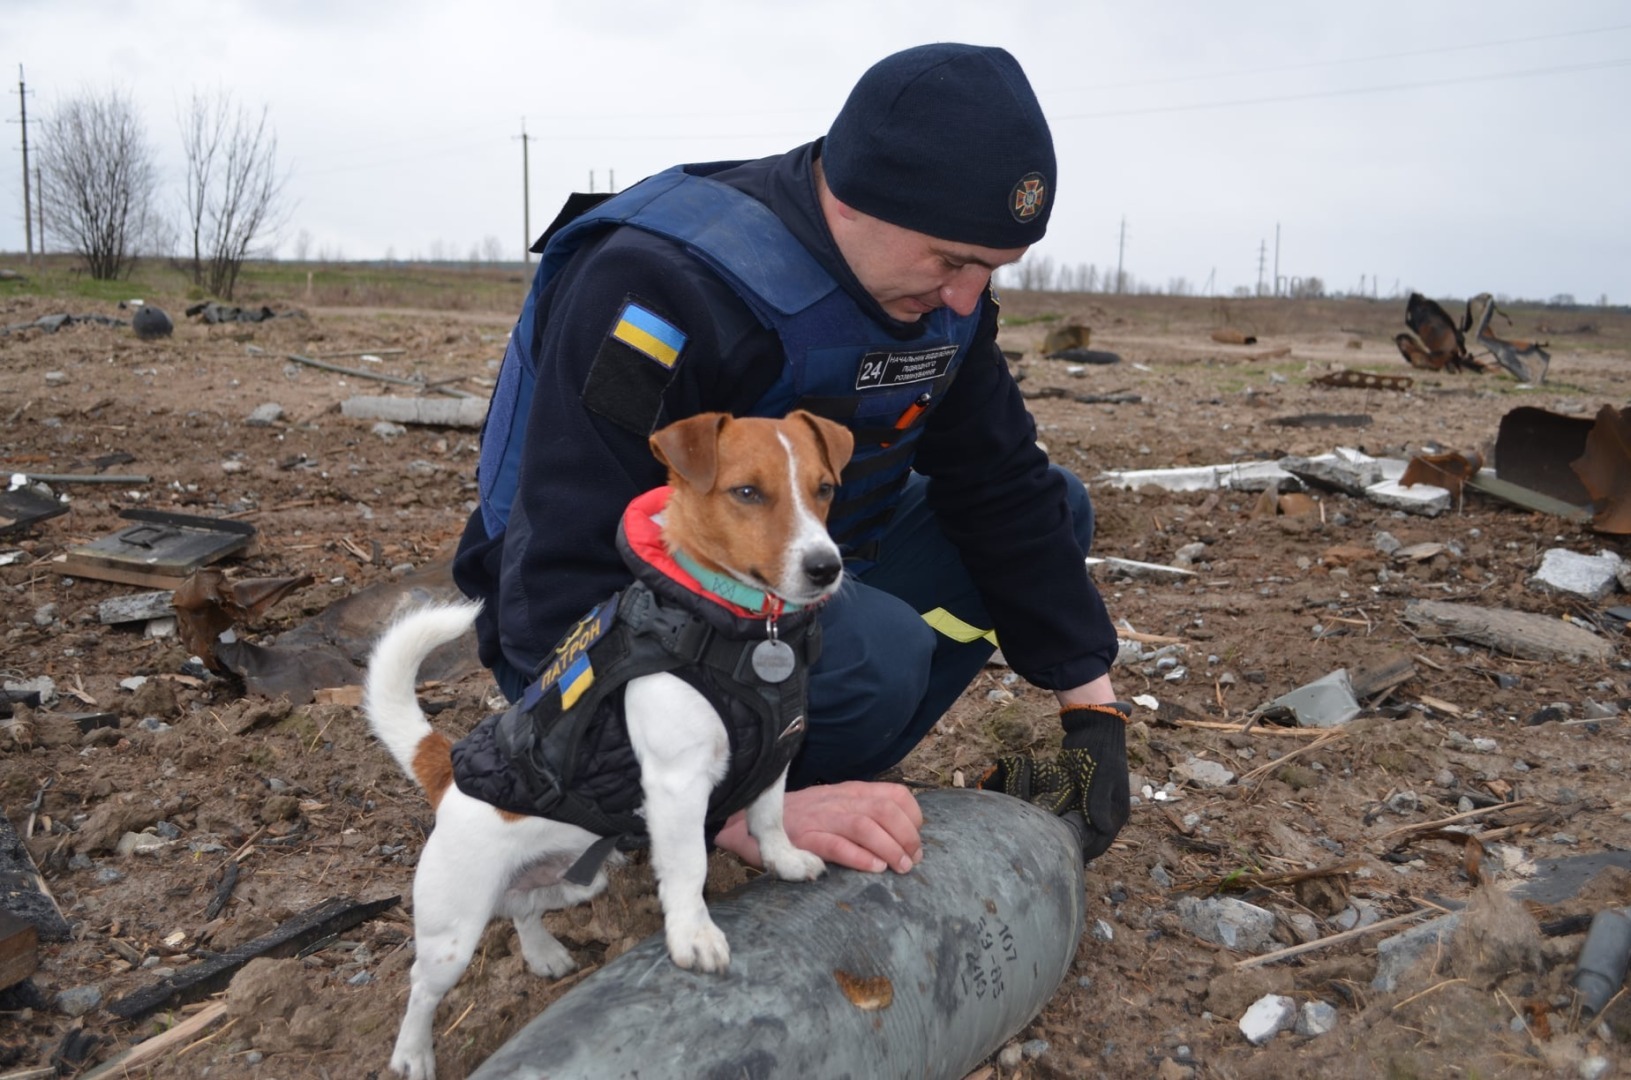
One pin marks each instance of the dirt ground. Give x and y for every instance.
(309, 806)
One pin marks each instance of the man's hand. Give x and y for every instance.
(858, 824)
(1089, 777)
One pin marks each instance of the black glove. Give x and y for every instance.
(1088, 778)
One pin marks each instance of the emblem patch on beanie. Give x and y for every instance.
(1028, 197)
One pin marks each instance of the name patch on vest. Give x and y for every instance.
(884, 368)
(569, 666)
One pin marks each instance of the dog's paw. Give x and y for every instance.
(549, 959)
(701, 947)
(415, 1064)
(796, 864)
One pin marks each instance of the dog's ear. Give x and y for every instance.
(837, 442)
(690, 448)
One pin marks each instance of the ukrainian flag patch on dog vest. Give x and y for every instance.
(647, 332)
(568, 669)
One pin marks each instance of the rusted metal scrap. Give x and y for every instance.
(1605, 470)
(1442, 345)
(1526, 360)
(1364, 380)
(207, 604)
(1450, 470)
(1574, 467)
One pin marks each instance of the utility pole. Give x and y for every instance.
(1262, 263)
(611, 181)
(28, 209)
(1276, 258)
(39, 208)
(1121, 251)
(526, 196)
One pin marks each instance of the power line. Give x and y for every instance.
(1354, 92)
(1316, 64)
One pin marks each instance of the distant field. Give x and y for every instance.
(500, 288)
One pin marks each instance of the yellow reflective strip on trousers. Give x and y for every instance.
(944, 622)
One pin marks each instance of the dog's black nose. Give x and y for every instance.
(822, 567)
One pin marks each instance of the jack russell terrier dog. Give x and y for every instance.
(669, 707)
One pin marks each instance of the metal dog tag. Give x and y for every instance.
(773, 660)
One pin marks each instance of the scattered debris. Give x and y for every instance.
(322, 653)
(137, 607)
(1516, 633)
(1591, 577)
(1086, 356)
(211, 312)
(1450, 470)
(1395, 955)
(1442, 345)
(1323, 420)
(1119, 397)
(1134, 569)
(1326, 702)
(1526, 360)
(19, 949)
(206, 605)
(22, 507)
(1601, 968)
(1268, 1016)
(1605, 470)
(161, 550)
(199, 980)
(1426, 499)
(151, 323)
(1364, 380)
(1239, 476)
(52, 323)
(468, 412)
(22, 890)
(1071, 335)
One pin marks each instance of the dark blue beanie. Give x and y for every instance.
(946, 140)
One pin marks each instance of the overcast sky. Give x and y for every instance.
(1452, 147)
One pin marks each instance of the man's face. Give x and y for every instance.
(910, 273)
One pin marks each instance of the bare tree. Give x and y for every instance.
(234, 189)
(98, 181)
(492, 248)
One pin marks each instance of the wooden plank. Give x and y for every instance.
(147, 1050)
(1517, 633)
(19, 949)
(332, 916)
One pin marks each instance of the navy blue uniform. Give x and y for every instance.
(1002, 519)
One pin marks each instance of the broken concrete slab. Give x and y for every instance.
(1344, 469)
(137, 607)
(1394, 955)
(1591, 577)
(1425, 499)
(434, 412)
(1518, 633)
(1225, 921)
(1236, 476)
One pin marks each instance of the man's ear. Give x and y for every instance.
(690, 449)
(837, 442)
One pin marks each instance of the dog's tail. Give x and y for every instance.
(389, 700)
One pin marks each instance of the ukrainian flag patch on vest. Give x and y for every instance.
(648, 333)
(568, 669)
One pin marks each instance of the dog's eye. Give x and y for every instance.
(825, 491)
(747, 493)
